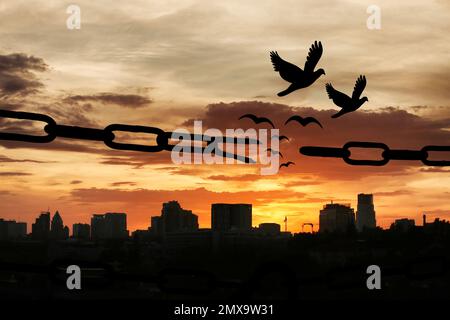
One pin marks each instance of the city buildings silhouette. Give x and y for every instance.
(365, 213)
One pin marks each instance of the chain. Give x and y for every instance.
(387, 154)
(53, 130)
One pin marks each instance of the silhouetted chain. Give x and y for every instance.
(387, 154)
(53, 130)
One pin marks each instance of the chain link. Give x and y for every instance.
(387, 154)
(53, 130)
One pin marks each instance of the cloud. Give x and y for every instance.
(5, 159)
(132, 101)
(14, 174)
(76, 182)
(394, 193)
(398, 128)
(122, 183)
(17, 74)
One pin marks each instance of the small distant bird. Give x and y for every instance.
(297, 77)
(274, 152)
(344, 101)
(286, 164)
(303, 121)
(280, 138)
(257, 119)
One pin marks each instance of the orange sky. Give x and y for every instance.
(168, 63)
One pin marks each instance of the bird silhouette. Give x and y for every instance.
(344, 101)
(296, 76)
(286, 164)
(257, 119)
(280, 138)
(304, 121)
(274, 152)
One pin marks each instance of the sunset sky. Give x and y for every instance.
(168, 63)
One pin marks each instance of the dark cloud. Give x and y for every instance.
(435, 170)
(122, 183)
(124, 100)
(395, 127)
(5, 159)
(14, 174)
(76, 182)
(17, 74)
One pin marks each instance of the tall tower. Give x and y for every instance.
(365, 214)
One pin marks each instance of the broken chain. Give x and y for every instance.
(387, 154)
(53, 130)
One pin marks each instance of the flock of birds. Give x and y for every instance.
(300, 79)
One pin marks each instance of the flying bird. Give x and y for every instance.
(257, 119)
(280, 138)
(344, 101)
(297, 77)
(286, 164)
(304, 121)
(274, 152)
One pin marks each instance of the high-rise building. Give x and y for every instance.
(403, 225)
(10, 230)
(365, 213)
(336, 217)
(57, 229)
(174, 219)
(81, 231)
(41, 228)
(231, 217)
(109, 226)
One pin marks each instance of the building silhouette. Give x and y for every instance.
(10, 229)
(81, 231)
(109, 226)
(365, 213)
(403, 225)
(269, 228)
(336, 217)
(174, 219)
(231, 217)
(57, 229)
(40, 229)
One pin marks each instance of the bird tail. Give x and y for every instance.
(286, 92)
(340, 113)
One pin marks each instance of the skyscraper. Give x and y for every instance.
(174, 219)
(231, 217)
(41, 228)
(365, 214)
(12, 229)
(81, 231)
(336, 217)
(58, 231)
(109, 226)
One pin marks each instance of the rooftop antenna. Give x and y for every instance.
(285, 223)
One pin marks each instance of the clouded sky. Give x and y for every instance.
(167, 63)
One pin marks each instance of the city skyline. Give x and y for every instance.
(295, 229)
(168, 63)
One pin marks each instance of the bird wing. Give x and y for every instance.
(288, 71)
(267, 120)
(312, 120)
(303, 121)
(250, 116)
(314, 54)
(257, 119)
(340, 99)
(359, 87)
